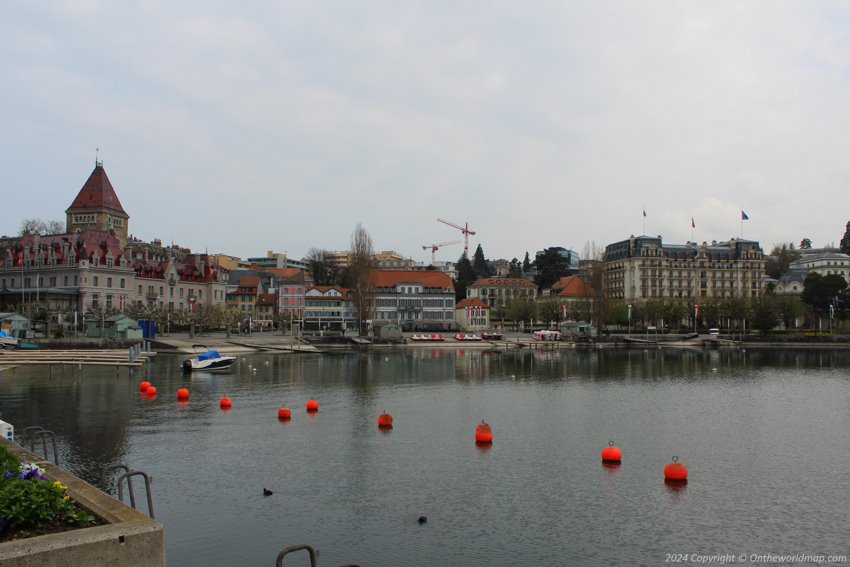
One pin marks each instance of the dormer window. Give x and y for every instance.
(72, 259)
(110, 262)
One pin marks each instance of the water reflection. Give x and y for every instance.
(536, 496)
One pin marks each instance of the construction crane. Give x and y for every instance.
(435, 247)
(466, 232)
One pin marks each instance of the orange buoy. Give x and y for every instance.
(612, 453)
(225, 403)
(284, 413)
(183, 394)
(676, 471)
(144, 385)
(151, 391)
(483, 433)
(312, 405)
(385, 421)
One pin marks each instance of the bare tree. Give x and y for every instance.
(323, 272)
(360, 274)
(42, 228)
(595, 278)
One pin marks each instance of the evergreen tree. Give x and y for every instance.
(551, 267)
(515, 269)
(526, 264)
(465, 276)
(845, 242)
(479, 263)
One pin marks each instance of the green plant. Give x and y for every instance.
(9, 462)
(28, 500)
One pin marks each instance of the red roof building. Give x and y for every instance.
(420, 300)
(472, 315)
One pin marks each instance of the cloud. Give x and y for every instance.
(282, 126)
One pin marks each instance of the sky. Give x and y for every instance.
(244, 127)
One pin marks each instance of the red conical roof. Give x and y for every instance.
(97, 193)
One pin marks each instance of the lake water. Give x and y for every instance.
(765, 435)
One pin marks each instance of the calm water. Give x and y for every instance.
(766, 436)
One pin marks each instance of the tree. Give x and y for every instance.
(479, 263)
(42, 228)
(673, 313)
(780, 257)
(551, 266)
(360, 273)
(806, 244)
(789, 308)
(526, 263)
(549, 311)
(819, 291)
(323, 272)
(522, 310)
(230, 318)
(764, 313)
(465, 276)
(515, 269)
(595, 256)
(845, 241)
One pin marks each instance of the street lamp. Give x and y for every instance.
(630, 318)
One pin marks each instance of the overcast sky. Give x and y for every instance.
(246, 127)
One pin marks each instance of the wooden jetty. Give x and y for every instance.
(112, 357)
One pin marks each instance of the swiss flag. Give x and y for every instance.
(21, 260)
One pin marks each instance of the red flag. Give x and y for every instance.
(696, 310)
(21, 260)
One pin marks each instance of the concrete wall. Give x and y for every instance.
(130, 539)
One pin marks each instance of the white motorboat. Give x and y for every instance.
(7, 340)
(210, 359)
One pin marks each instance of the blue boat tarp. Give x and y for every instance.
(3, 334)
(210, 354)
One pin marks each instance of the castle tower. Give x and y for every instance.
(97, 207)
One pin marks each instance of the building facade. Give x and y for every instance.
(642, 268)
(417, 300)
(823, 263)
(501, 292)
(329, 308)
(472, 315)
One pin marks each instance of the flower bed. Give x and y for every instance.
(30, 504)
(62, 507)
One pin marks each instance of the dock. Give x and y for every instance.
(111, 357)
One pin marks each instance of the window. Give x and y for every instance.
(95, 280)
(95, 300)
(121, 283)
(108, 282)
(76, 280)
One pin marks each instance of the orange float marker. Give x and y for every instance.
(144, 385)
(385, 421)
(284, 414)
(225, 403)
(312, 405)
(151, 391)
(483, 433)
(183, 394)
(611, 453)
(676, 471)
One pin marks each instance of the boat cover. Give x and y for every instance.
(4, 333)
(209, 355)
